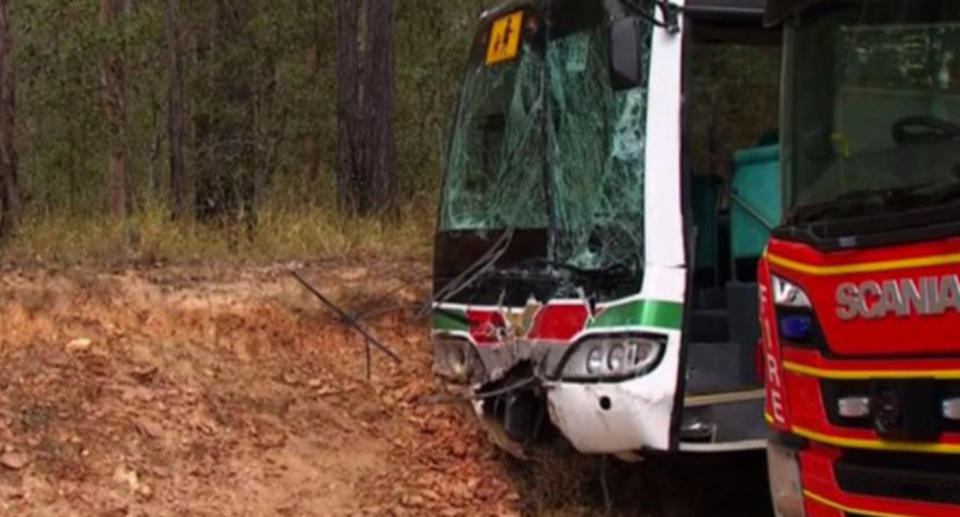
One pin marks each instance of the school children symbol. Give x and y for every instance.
(505, 38)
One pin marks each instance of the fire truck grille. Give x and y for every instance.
(923, 419)
(912, 478)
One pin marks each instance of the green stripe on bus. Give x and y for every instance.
(641, 313)
(444, 321)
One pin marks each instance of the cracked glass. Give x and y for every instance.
(546, 142)
(597, 142)
(495, 166)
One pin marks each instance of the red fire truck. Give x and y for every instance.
(859, 286)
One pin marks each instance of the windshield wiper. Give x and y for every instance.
(614, 271)
(476, 271)
(939, 194)
(854, 200)
(921, 194)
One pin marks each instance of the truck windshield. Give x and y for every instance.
(543, 141)
(874, 105)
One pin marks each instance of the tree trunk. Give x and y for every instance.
(366, 172)
(349, 150)
(226, 189)
(309, 147)
(11, 201)
(178, 186)
(379, 89)
(113, 76)
(206, 189)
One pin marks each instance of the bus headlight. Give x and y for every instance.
(595, 360)
(611, 357)
(456, 360)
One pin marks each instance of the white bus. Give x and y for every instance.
(610, 184)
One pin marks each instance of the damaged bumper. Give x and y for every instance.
(610, 418)
(618, 416)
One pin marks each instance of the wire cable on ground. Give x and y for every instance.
(370, 339)
(607, 497)
(477, 270)
(517, 386)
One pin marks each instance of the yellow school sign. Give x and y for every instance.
(505, 38)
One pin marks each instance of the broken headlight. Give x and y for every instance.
(612, 357)
(456, 360)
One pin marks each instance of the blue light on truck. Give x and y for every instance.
(797, 327)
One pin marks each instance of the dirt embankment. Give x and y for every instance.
(226, 392)
(230, 391)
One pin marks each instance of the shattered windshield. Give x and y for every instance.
(494, 173)
(876, 105)
(544, 141)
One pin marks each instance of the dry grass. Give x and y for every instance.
(281, 234)
(558, 482)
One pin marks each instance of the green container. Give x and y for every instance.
(758, 203)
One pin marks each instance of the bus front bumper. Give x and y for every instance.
(613, 418)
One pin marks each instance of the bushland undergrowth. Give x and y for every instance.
(282, 233)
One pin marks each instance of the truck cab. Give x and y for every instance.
(859, 295)
(598, 231)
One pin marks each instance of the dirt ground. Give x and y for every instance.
(230, 391)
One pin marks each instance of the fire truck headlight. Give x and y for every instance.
(951, 409)
(796, 320)
(787, 294)
(854, 407)
(612, 357)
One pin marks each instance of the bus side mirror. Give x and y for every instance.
(626, 71)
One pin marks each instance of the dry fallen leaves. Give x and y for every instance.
(14, 460)
(162, 408)
(79, 345)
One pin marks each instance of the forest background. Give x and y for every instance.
(184, 130)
